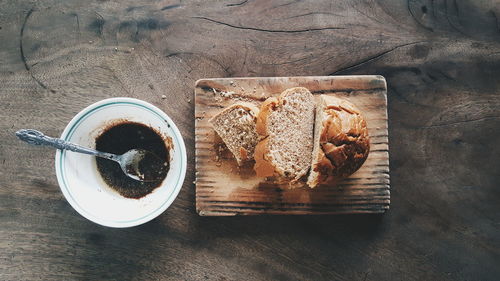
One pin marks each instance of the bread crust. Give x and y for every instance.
(344, 141)
(242, 104)
(265, 110)
(263, 164)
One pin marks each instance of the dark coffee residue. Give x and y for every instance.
(149, 168)
(120, 138)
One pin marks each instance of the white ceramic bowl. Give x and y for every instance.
(82, 184)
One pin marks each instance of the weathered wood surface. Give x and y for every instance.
(224, 189)
(441, 60)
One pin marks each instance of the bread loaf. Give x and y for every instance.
(341, 142)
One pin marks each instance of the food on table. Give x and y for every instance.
(236, 127)
(288, 138)
(341, 141)
(285, 125)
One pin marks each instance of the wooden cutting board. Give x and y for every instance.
(224, 189)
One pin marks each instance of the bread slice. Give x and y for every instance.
(285, 126)
(341, 141)
(236, 127)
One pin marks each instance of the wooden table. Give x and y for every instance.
(441, 60)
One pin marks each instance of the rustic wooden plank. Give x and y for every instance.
(224, 188)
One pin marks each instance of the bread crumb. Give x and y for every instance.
(189, 100)
(163, 96)
(226, 94)
(219, 94)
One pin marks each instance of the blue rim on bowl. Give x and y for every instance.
(85, 113)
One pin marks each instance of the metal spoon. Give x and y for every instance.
(130, 161)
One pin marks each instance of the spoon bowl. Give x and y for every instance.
(143, 165)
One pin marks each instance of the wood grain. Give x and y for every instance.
(224, 189)
(441, 60)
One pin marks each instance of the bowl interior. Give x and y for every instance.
(84, 187)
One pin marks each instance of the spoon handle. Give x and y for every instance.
(35, 137)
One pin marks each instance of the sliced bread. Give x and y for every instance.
(236, 127)
(341, 141)
(285, 126)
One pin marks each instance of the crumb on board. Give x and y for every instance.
(227, 94)
(201, 117)
(220, 95)
(163, 96)
(221, 148)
